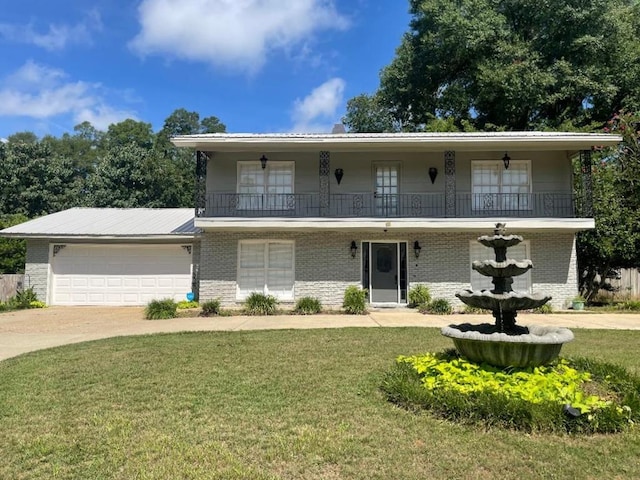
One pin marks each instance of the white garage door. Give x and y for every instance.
(119, 274)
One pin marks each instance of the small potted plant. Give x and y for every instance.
(578, 302)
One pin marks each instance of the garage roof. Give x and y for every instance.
(138, 223)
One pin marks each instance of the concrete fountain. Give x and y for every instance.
(505, 343)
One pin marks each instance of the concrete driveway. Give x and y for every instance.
(28, 330)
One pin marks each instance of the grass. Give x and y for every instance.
(270, 405)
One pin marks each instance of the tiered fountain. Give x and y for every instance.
(504, 343)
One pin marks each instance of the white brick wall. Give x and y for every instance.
(37, 267)
(324, 267)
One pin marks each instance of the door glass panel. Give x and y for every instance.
(386, 189)
(384, 260)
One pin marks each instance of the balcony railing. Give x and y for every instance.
(412, 205)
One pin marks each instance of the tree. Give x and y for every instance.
(512, 64)
(615, 242)
(12, 250)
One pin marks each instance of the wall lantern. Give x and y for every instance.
(263, 161)
(433, 173)
(417, 248)
(339, 173)
(354, 249)
(506, 159)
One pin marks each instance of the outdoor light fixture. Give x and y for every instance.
(263, 161)
(417, 248)
(354, 249)
(339, 173)
(433, 173)
(506, 159)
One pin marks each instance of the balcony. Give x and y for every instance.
(370, 205)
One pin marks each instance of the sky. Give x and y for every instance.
(260, 66)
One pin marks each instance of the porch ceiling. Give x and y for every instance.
(393, 225)
(477, 141)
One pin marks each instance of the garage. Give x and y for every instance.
(110, 256)
(99, 274)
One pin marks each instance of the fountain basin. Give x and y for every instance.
(509, 268)
(508, 301)
(500, 241)
(538, 345)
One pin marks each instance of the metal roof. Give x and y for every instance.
(109, 222)
(423, 141)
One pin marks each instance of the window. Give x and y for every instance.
(497, 188)
(269, 188)
(480, 252)
(266, 267)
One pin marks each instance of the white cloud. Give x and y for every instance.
(57, 37)
(317, 112)
(42, 92)
(231, 33)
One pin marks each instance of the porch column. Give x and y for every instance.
(200, 190)
(587, 184)
(449, 183)
(325, 166)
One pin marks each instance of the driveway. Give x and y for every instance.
(28, 330)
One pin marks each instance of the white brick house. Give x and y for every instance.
(299, 215)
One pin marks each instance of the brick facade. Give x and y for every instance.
(36, 272)
(324, 267)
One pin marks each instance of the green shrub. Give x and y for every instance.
(185, 304)
(161, 309)
(530, 399)
(3, 307)
(22, 299)
(468, 309)
(37, 304)
(544, 309)
(419, 295)
(211, 308)
(260, 304)
(439, 306)
(355, 300)
(633, 305)
(308, 306)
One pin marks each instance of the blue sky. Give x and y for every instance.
(258, 65)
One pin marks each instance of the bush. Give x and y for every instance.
(161, 309)
(308, 306)
(632, 305)
(22, 299)
(37, 304)
(211, 308)
(185, 304)
(544, 309)
(440, 306)
(419, 295)
(530, 399)
(260, 304)
(355, 300)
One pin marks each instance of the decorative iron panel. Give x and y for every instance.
(450, 183)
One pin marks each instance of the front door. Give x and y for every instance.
(384, 273)
(386, 190)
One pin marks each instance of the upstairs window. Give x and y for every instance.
(269, 188)
(494, 187)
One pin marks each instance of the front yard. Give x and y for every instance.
(273, 404)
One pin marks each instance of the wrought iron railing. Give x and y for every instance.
(411, 205)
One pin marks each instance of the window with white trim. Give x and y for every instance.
(494, 187)
(479, 252)
(269, 188)
(266, 266)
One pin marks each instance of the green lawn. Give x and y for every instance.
(298, 404)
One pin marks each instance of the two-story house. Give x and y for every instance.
(295, 215)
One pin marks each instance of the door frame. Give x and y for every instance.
(374, 180)
(397, 242)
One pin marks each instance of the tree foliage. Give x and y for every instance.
(12, 250)
(509, 64)
(615, 242)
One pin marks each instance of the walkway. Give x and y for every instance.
(29, 330)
